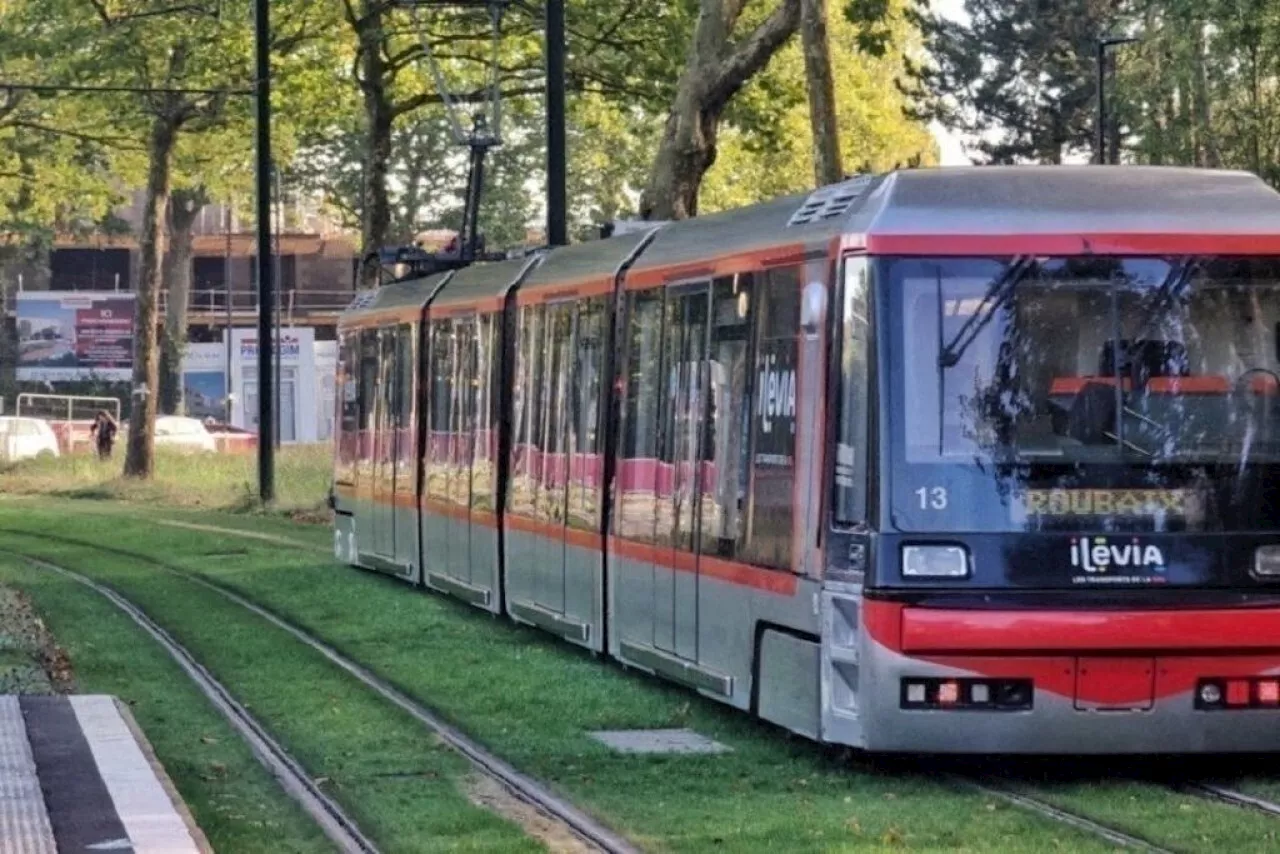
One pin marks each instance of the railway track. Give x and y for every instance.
(331, 818)
(996, 788)
(1214, 791)
(577, 823)
(573, 821)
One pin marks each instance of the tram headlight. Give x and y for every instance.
(935, 562)
(1266, 563)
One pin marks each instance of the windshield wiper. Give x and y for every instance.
(998, 293)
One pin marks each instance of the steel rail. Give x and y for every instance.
(1213, 791)
(293, 778)
(521, 786)
(996, 789)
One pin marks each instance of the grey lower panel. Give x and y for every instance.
(677, 669)
(789, 693)
(1054, 725)
(381, 564)
(459, 589)
(570, 629)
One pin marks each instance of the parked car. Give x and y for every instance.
(173, 431)
(24, 438)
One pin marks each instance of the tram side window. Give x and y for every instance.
(439, 409)
(636, 479)
(462, 410)
(404, 422)
(773, 430)
(855, 375)
(349, 403)
(370, 369)
(726, 479)
(586, 467)
(483, 428)
(558, 353)
(527, 392)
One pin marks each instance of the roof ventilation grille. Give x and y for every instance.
(363, 300)
(831, 201)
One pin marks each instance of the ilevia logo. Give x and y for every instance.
(1098, 554)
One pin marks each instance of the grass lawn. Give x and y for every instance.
(406, 792)
(533, 701)
(235, 801)
(222, 481)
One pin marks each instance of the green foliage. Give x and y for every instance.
(1200, 87)
(875, 134)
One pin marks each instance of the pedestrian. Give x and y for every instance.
(104, 433)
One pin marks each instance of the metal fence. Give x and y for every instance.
(246, 302)
(66, 407)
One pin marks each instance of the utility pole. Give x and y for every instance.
(266, 392)
(557, 195)
(1100, 147)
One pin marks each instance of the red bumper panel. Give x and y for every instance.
(927, 630)
(1115, 683)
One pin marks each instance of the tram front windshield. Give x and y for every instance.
(1120, 394)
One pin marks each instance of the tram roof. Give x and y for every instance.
(398, 298)
(482, 283)
(595, 262)
(1033, 200)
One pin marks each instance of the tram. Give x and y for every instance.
(942, 460)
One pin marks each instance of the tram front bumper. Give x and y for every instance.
(1121, 682)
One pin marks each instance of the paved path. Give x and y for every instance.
(77, 777)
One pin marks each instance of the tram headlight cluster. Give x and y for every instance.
(935, 562)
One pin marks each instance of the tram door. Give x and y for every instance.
(680, 486)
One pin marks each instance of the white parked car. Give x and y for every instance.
(23, 438)
(173, 431)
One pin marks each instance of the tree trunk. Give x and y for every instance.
(375, 216)
(718, 66)
(184, 208)
(827, 166)
(1206, 148)
(140, 457)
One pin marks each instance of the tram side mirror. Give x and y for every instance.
(813, 309)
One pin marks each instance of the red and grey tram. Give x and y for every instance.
(951, 460)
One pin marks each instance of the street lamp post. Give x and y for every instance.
(1100, 148)
(266, 392)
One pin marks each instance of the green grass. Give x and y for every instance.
(235, 801)
(1177, 821)
(403, 789)
(534, 701)
(215, 481)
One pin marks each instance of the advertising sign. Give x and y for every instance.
(67, 337)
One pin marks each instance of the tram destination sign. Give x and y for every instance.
(74, 336)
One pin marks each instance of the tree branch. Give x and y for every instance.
(753, 53)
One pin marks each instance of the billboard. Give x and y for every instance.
(74, 336)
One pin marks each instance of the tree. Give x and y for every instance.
(875, 133)
(719, 62)
(827, 166)
(1019, 74)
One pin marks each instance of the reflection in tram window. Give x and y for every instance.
(526, 424)
(404, 424)
(771, 499)
(725, 490)
(853, 416)
(439, 409)
(558, 353)
(462, 366)
(586, 467)
(637, 466)
(483, 412)
(708, 438)
(349, 407)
